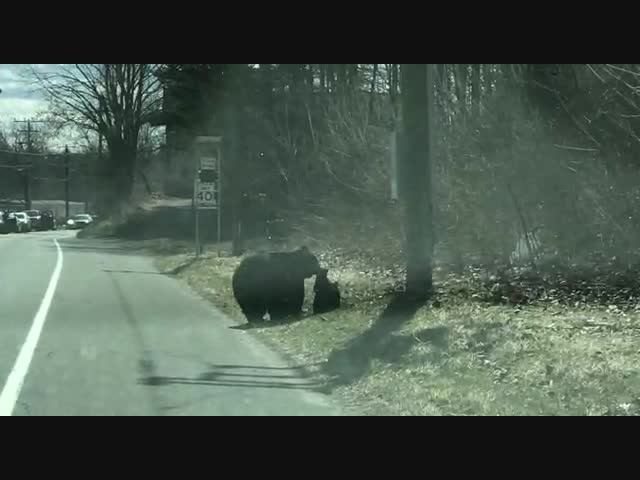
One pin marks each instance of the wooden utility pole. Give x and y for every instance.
(27, 189)
(29, 132)
(22, 170)
(98, 180)
(66, 182)
(415, 169)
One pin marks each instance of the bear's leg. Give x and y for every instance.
(278, 309)
(297, 298)
(254, 309)
(287, 301)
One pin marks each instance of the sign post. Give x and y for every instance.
(208, 182)
(394, 166)
(198, 247)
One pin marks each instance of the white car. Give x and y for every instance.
(23, 222)
(79, 221)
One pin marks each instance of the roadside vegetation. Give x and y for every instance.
(470, 351)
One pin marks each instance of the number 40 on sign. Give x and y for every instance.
(206, 195)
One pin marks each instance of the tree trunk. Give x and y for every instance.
(372, 93)
(267, 91)
(476, 94)
(461, 86)
(415, 158)
(441, 91)
(488, 77)
(341, 77)
(392, 72)
(331, 77)
(120, 175)
(310, 77)
(539, 83)
(395, 73)
(323, 77)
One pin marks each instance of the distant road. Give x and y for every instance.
(118, 338)
(58, 206)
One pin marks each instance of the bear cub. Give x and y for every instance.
(327, 294)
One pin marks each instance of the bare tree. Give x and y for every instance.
(4, 144)
(114, 100)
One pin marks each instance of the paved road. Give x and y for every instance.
(117, 338)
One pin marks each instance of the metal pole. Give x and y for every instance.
(219, 199)
(198, 249)
(195, 206)
(394, 165)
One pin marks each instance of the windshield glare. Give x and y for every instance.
(319, 239)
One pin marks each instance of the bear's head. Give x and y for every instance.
(306, 263)
(322, 279)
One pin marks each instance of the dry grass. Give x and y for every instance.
(465, 358)
(101, 229)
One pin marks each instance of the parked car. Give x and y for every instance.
(79, 221)
(23, 222)
(35, 216)
(47, 220)
(9, 223)
(4, 226)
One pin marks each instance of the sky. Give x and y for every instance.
(18, 99)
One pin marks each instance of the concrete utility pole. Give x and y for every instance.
(415, 166)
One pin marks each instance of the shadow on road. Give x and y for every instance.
(112, 246)
(132, 272)
(241, 376)
(352, 362)
(255, 367)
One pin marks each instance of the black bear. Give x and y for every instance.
(273, 283)
(327, 294)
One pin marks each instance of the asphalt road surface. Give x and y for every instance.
(89, 327)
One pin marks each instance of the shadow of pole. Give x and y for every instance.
(240, 376)
(181, 268)
(352, 362)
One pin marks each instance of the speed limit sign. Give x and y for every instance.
(206, 195)
(207, 188)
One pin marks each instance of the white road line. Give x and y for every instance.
(15, 381)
